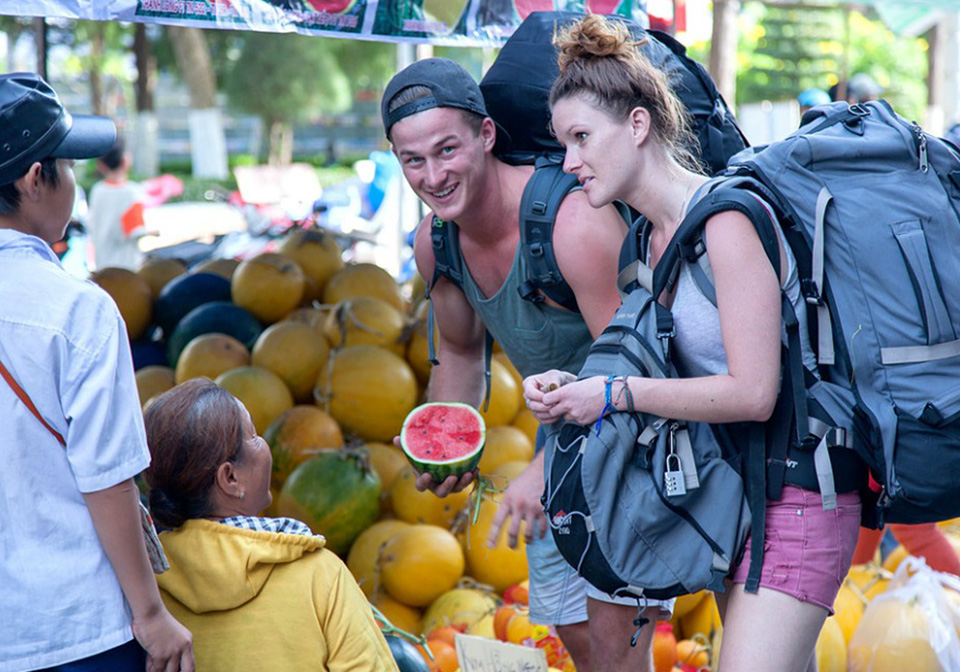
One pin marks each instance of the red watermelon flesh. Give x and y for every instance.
(331, 6)
(602, 6)
(526, 7)
(443, 439)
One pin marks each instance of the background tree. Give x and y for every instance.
(284, 79)
(208, 146)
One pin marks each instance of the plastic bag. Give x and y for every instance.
(912, 626)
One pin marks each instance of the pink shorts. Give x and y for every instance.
(807, 551)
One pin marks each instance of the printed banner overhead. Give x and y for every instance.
(442, 22)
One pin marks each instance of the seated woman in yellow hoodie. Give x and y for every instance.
(259, 594)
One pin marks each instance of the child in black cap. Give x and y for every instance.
(78, 590)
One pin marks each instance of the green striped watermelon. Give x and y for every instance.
(336, 493)
(443, 439)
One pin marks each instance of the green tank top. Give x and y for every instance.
(535, 336)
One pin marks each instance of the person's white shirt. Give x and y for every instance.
(64, 342)
(115, 223)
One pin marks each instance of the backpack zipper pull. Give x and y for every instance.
(922, 147)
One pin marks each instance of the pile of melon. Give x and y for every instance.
(330, 359)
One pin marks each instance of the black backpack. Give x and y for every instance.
(516, 90)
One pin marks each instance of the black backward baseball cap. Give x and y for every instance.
(452, 86)
(34, 125)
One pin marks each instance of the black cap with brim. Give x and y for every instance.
(34, 126)
(450, 84)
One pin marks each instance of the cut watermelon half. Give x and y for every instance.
(443, 439)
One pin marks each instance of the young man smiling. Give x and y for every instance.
(434, 116)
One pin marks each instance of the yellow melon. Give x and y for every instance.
(365, 551)
(317, 254)
(897, 555)
(848, 609)
(158, 271)
(506, 397)
(893, 636)
(154, 380)
(268, 285)
(365, 320)
(504, 443)
(224, 267)
(461, 608)
(831, 651)
(316, 318)
(261, 391)
(420, 563)
(500, 566)
(511, 369)
(132, 295)
(869, 579)
(295, 352)
(388, 461)
(414, 506)
(703, 618)
(211, 355)
(506, 472)
(527, 423)
(298, 434)
(418, 350)
(368, 390)
(356, 280)
(400, 615)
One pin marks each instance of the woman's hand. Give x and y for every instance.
(535, 387)
(579, 401)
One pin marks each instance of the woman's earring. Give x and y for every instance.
(242, 495)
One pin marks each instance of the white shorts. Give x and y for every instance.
(558, 595)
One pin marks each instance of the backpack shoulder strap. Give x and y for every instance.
(445, 241)
(447, 263)
(687, 244)
(545, 190)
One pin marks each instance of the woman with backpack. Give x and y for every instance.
(624, 133)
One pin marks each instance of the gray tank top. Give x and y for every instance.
(536, 337)
(698, 342)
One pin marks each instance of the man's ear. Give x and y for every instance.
(30, 184)
(488, 133)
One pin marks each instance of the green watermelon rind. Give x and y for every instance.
(440, 471)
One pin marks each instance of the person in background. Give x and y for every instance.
(811, 98)
(259, 594)
(924, 540)
(860, 89)
(623, 130)
(77, 591)
(115, 216)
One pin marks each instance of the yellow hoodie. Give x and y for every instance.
(268, 602)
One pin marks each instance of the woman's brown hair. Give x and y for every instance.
(191, 429)
(600, 61)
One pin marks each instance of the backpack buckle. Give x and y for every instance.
(539, 207)
(810, 291)
(536, 249)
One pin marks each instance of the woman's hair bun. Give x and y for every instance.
(165, 511)
(593, 37)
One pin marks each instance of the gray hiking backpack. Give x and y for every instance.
(640, 505)
(869, 204)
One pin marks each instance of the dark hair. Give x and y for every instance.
(600, 61)
(10, 196)
(191, 429)
(114, 157)
(418, 91)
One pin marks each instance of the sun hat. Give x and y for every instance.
(34, 125)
